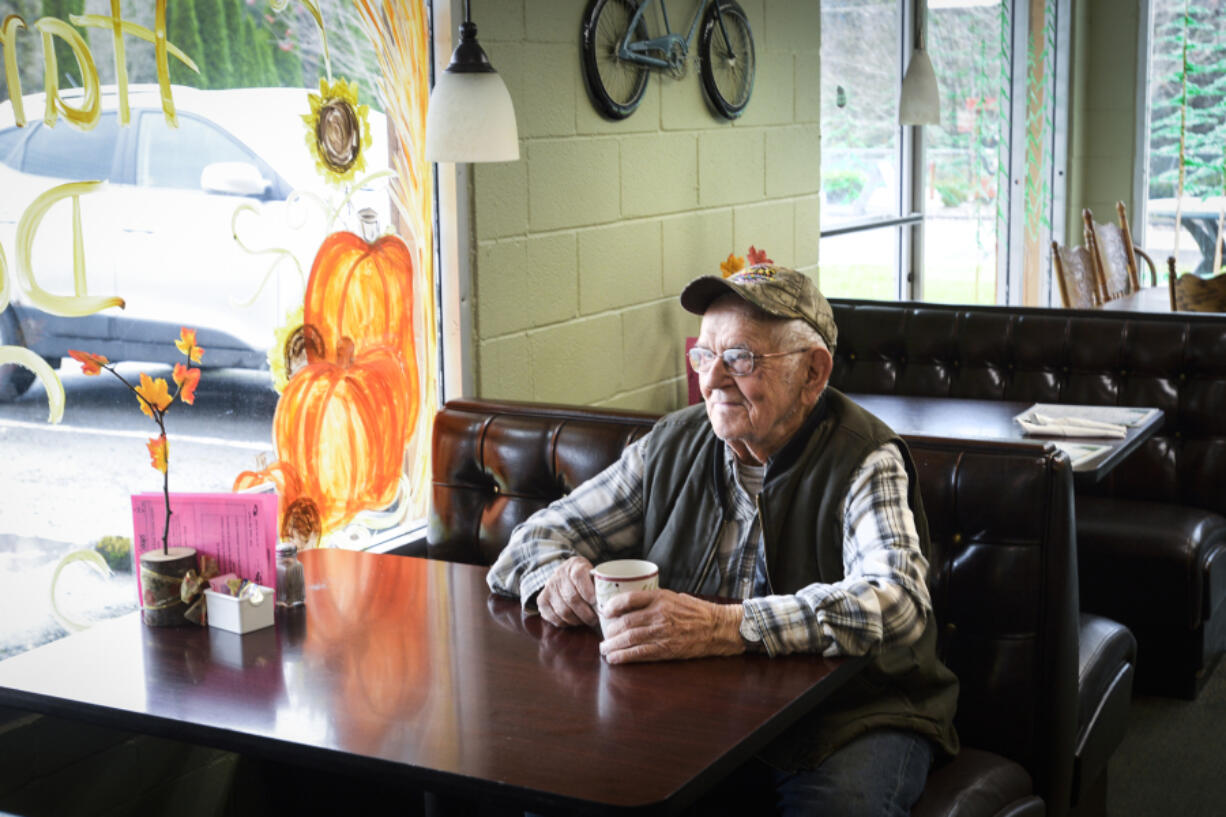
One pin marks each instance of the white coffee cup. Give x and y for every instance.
(622, 576)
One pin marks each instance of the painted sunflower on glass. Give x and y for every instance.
(295, 345)
(338, 131)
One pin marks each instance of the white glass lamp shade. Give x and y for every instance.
(471, 119)
(920, 100)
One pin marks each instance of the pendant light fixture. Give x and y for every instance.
(920, 100)
(470, 118)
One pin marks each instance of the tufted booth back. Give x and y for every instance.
(497, 463)
(1003, 574)
(1176, 362)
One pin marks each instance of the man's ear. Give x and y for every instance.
(817, 375)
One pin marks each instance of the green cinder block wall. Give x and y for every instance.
(1105, 105)
(584, 244)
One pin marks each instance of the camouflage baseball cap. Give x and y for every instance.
(780, 291)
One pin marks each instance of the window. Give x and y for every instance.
(964, 157)
(861, 140)
(1186, 166)
(863, 150)
(949, 212)
(233, 267)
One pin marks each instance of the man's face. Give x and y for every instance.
(758, 412)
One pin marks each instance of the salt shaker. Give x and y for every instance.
(291, 584)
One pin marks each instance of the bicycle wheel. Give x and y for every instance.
(616, 86)
(727, 62)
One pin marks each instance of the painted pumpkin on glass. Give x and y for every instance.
(364, 291)
(340, 435)
(289, 484)
(298, 515)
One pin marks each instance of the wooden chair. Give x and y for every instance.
(1115, 255)
(1077, 276)
(1134, 251)
(1191, 293)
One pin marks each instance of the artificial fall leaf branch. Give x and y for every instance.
(155, 399)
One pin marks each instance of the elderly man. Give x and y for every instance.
(784, 494)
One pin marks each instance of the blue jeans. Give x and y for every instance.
(879, 774)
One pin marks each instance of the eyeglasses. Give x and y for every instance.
(738, 362)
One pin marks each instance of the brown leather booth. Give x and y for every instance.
(1152, 536)
(1044, 692)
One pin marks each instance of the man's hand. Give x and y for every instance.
(657, 625)
(568, 598)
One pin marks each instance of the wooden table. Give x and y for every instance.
(1146, 299)
(959, 419)
(409, 670)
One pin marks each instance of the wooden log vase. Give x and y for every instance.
(161, 576)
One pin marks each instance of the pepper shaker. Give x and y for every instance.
(291, 583)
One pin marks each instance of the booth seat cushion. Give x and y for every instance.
(977, 783)
(1155, 559)
(1160, 569)
(1107, 659)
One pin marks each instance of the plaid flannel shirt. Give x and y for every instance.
(881, 602)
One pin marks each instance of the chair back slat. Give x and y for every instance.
(1112, 260)
(1114, 255)
(1134, 270)
(1076, 275)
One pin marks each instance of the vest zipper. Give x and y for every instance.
(757, 500)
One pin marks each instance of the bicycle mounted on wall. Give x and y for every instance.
(618, 53)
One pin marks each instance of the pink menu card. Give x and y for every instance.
(240, 530)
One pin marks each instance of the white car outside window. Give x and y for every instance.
(159, 235)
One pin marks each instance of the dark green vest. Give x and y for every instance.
(685, 505)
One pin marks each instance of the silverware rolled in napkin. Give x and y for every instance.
(1045, 426)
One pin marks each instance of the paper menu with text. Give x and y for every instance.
(240, 530)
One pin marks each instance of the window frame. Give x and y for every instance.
(453, 210)
(1140, 179)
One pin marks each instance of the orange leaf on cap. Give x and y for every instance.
(733, 265)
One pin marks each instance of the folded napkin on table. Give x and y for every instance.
(1043, 425)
